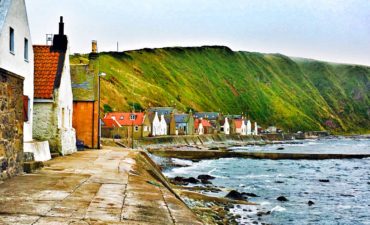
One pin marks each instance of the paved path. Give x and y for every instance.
(108, 186)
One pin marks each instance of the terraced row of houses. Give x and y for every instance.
(164, 121)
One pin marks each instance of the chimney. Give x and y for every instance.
(94, 46)
(60, 41)
(61, 26)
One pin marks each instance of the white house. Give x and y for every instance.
(249, 128)
(200, 130)
(53, 100)
(156, 125)
(255, 128)
(16, 85)
(243, 128)
(226, 126)
(163, 126)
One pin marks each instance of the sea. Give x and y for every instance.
(344, 197)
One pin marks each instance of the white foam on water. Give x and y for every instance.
(265, 203)
(182, 162)
(278, 209)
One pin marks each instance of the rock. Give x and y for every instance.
(282, 199)
(263, 213)
(310, 203)
(249, 194)
(280, 148)
(205, 182)
(324, 180)
(191, 180)
(235, 195)
(279, 182)
(206, 177)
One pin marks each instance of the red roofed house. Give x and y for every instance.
(53, 100)
(131, 124)
(203, 126)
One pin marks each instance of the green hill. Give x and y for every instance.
(295, 94)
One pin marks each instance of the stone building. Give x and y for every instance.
(85, 78)
(16, 85)
(53, 101)
(130, 125)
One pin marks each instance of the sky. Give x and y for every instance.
(329, 30)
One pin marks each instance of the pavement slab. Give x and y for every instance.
(108, 186)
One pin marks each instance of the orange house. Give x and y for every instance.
(85, 100)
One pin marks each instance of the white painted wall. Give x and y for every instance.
(156, 125)
(15, 63)
(200, 129)
(255, 128)
(226, 127)
(249, 127)
(243, 128)
(163, 129)
(65, 110)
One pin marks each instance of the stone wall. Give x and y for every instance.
(45, 124)
(11, 124)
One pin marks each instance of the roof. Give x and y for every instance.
(208, 115)
(162, 110)
(4, 8)
(181, 118)
(48, 66)
(110, 123)
(204, 122)
(124, 118)
(238, 123)
(83, 84)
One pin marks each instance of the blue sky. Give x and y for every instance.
(330, 30)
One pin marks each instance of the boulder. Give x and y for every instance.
(310, 203)
(235, 195)
(191, 180)
(206, 177)
(282, 199)
(280, 148)
(250, 194)
(324, 180)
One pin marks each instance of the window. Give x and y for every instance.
(145, 128)
(11, 40)
(121, 118)
(136, 128)
(26, 49)
(132, 117)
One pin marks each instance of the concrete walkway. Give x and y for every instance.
(110, 186)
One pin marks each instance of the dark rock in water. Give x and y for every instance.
(235, 195)
(324, 180)
(206, 177)
(205, 181)
(263, 213)
(310, 203)
(347, 195)
(249, 194)
(191, 180)
(280, 148)
(282, 199)
(213, 148)
(279, 182)
(179, 181)
(368, 182)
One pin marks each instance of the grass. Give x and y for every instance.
(273, 89)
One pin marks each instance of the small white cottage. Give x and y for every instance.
(249, 128)
(255, 128)
(53, 100)
(226, 126)
(156, 126)
(163, 126)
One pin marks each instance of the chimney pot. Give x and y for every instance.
(94, 46)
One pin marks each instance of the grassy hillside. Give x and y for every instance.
(295, 94)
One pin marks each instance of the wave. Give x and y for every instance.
(278, 209)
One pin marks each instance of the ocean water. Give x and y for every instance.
(345, 199)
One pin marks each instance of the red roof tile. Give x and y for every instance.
(124, 119)
(46, 71)
(238, 123)
(205, 123)
(110, 123)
